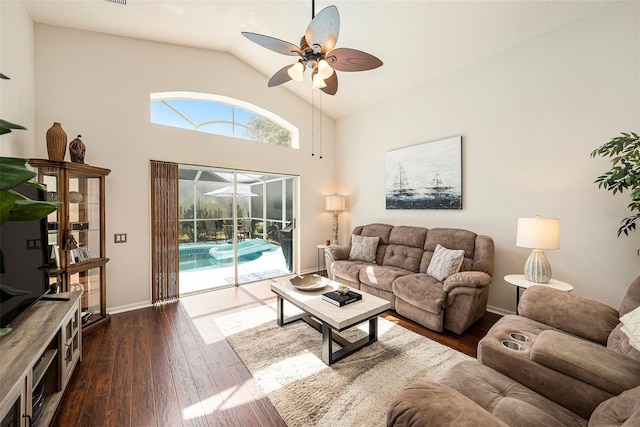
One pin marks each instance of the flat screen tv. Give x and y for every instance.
(24, 262)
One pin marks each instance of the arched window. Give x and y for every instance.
(222, 115)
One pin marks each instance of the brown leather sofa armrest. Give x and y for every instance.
(336, 252)
(577, 315)
(586, 361)
(432, 404)
(467, 279)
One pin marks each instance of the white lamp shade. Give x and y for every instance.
(335, 203)
(538, 233)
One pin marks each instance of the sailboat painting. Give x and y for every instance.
(425, 176)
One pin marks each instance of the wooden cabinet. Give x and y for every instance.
(38, 358)
(77, 233)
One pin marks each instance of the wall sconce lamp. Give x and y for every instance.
(335, 204)
(538, 233)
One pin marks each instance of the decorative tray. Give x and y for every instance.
(311, 282)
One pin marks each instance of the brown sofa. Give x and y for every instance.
(399, 273)
(575, 367)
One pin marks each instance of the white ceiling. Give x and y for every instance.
(418, 41)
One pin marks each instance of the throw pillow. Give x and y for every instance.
(363, 248)
(445, 262)
(631, 327)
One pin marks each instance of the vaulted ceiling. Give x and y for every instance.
(418, 41)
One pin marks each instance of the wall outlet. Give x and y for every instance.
(120, 238)
(34, 244)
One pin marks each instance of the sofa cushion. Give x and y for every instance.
(621, 410)
(572, 313)
(408, 236)
(586, 361)
(445, 262)
(452, 238)
(363, 248)
(511, 402)
(347, 270)
(404, 257)
(380, 277)
(431, 404)
(421, 290)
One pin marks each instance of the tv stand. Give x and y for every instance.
(55, 298)
(38, 358)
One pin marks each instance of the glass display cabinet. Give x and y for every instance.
(76, 233)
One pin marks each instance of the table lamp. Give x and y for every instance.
(335, 204)
(538, 233)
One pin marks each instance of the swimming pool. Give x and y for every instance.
(206, 255)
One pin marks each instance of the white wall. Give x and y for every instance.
(99, 85)
(529, 118)
(16, 62)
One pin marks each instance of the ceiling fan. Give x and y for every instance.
(316, 52)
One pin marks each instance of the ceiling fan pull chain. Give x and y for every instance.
(320, 111)
(313, 126)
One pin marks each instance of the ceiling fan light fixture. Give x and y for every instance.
(318, 81)
(317, 52)
(324, 69)
(296, 71)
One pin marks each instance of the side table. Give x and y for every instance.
(519, 281)
(321, 266)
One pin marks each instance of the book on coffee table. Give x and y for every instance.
(339, 299)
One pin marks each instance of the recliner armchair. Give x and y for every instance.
(566, 362)
(571, 349)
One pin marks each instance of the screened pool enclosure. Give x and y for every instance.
(234, 227)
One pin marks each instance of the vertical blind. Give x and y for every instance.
(165, 256)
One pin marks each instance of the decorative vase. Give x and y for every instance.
(56, 142)
(77, 150)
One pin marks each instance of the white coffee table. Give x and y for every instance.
(330, 319)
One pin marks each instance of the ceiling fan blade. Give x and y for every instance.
(332, 85)
(271, 43)
(345, 59)
(281, 76)
(322, 32)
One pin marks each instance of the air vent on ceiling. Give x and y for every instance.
(124, 2)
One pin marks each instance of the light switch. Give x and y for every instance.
(120, 238)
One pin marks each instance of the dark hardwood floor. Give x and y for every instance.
(171, 366)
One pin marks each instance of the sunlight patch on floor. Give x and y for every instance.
(277, 375)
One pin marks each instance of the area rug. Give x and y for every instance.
(356, 391)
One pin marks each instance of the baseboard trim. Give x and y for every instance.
(498, 310)
(129, 307)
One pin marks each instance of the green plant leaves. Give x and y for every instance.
(13, 205)
(13, 171)
(624, 174)
(5, 126)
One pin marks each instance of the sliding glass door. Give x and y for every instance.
(235, 227)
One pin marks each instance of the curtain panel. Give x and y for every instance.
(165, 256)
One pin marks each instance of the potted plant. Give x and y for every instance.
(624, 174)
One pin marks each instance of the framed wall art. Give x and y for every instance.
(425, 176)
